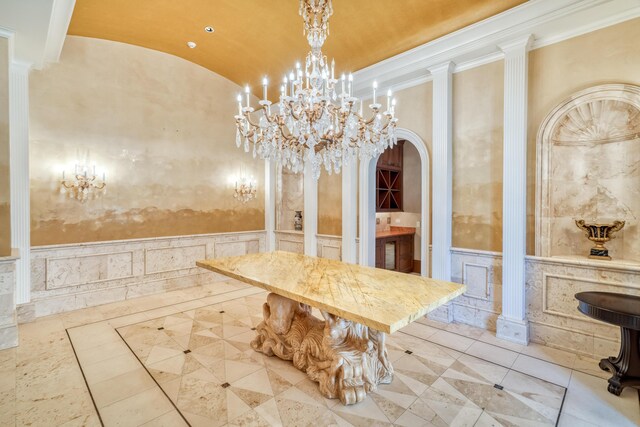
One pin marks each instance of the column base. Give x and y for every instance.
(513, 330)
(444, 313)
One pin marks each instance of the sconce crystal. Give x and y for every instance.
(245, 190)
(84, 185)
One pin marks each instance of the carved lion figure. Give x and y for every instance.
(285, 325)
(344, 357)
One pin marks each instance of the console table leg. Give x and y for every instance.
(626, 366)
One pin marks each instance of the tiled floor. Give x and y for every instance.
(183, 357)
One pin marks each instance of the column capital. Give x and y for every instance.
(21, 66)
(442, 68)
(518, 45)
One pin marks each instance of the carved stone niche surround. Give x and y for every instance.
(597, 116)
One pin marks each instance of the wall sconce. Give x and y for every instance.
(83, 185)
(245, 190)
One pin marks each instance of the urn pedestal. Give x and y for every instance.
(599, 234)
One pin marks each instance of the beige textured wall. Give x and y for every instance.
(162, 128)
(411, 183)
(5, 215)
(330, 203)
(414, 110)
(609, 55)
(478, 97)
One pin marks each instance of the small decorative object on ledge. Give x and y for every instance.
(245, 190)
(83, 185)
(599, 234)
(297, 221)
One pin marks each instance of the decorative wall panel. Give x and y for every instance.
(552, 308)
(70, 277)
(172, 259)
(73, 271)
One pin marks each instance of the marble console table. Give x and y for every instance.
(345, 353)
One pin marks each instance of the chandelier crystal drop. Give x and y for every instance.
(317, 121)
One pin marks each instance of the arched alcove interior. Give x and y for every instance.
(368, 203)
(589, 168)
(289, 197)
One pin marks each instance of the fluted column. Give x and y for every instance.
(20, 212)
(270, 204)
(442, 171)
(512, 323)
(349, 211)
(367, 201)
(310, 214)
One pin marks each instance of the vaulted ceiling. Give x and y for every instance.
(257, 37)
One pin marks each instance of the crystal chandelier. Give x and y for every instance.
(317, 121)
(83, 185)
(245, 190)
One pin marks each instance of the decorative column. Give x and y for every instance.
(270, 205)
(349, 212)
(367, 196)
(442, 171)
(20, 212)
(310, 214)
(512, 324)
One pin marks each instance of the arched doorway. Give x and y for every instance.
(368, 204)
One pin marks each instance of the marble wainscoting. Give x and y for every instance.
(551, 283)
(290, 241)
(8, 318)
(552, 308)
(72, 277)
(293, 241)
(481, 271)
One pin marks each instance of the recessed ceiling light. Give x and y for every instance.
(209, 29)
(191, 44)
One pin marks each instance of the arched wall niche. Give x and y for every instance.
(589, 167)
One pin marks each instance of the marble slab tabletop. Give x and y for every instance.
(380, 299)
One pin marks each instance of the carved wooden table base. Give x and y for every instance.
(345, 358)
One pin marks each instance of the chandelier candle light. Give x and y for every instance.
(245, 190)
(317, 121)
(83, 185)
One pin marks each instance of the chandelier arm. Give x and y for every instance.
(253, 125)
(293, 114)
(288, 138)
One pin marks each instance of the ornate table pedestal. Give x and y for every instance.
(345, 358)
(624, 311)
(345, 353)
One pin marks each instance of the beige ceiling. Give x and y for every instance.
(257, 37)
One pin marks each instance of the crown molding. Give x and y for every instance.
(61, 13)
(518, 44)
(7, 33)
(445, 67)
(550, 21)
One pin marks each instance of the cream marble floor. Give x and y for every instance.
(183, 358)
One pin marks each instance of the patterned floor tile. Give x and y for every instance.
(203, 360)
